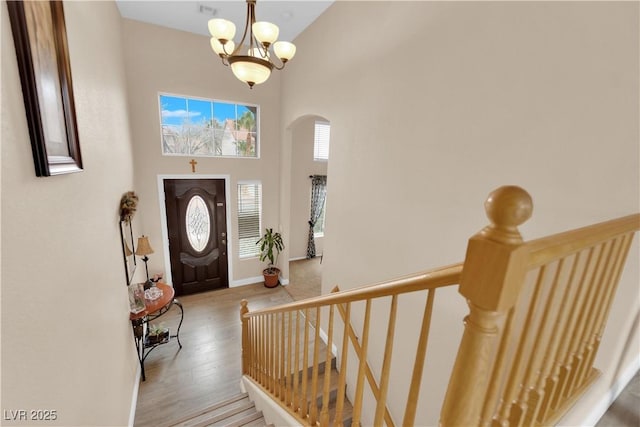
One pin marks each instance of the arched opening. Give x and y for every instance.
(306, 175)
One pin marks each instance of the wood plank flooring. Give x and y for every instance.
(208, 367)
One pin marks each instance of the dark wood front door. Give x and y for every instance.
(197, 229)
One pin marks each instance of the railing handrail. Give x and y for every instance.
(546, 249)
(429, 279)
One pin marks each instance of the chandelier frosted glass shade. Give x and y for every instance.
(284, 50)
(250, 69)
(222, 29)
(250, 59)
(265, 32)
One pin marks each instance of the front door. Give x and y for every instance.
(197, 229)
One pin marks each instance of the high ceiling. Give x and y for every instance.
(192, 16)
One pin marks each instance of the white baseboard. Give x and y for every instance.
(247, 281)
(134, 397)
(254, 280)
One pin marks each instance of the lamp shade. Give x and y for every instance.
(250, 70)
(127, 251)
(265, 32)
(222, 29)
(284, 50)
(144, 248)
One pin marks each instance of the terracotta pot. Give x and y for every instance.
(271, 279)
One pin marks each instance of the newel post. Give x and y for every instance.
(244, 309)
(492, 276)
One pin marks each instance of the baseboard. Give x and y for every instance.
(608, 398)
(252, 281)
(134, 397)
(247, 281)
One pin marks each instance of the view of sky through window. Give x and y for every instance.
(209, 128)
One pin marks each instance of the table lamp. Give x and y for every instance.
(144, 249)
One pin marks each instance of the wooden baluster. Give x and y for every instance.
(547, 379)
(324, 413)
(509, 414)
(362, 359)
(283, 374)
(368, 374)
(296, 368)
(386, 362)
(620, 261)
(529, 399)
(343, 366)
(304, 408)
(569, 347)
(245, 336)
(493, 274)
(313, 412)
(288, 364)
(606, 289)
(585, 321)
(418, 366)
(279, 357)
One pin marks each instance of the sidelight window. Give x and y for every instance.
(249, 218)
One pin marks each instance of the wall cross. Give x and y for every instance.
(193, 164)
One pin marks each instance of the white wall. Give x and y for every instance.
(161, 60)
(433, 105)
(67, 343)
(303, 165)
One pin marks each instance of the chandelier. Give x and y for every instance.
(253, 65)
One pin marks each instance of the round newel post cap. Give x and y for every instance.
(508, 207)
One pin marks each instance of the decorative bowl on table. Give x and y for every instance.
(152, 294)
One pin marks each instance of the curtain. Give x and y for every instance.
(318, 194)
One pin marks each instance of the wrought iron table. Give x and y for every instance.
(152, 311)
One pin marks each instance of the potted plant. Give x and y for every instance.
(270, 246)
(157, 334)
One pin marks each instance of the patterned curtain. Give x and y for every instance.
(318, 194)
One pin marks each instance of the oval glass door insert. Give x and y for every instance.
(197, 223)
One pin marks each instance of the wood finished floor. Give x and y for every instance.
(208, 367)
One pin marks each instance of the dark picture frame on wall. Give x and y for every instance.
(40, 39)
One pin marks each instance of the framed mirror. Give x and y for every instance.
(128, 250)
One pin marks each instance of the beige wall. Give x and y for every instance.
(303, 165)
(160, 60)
(66, 339)
(453, 101)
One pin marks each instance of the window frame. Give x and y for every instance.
(258, 137)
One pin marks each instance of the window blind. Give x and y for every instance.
(321, 141)
(249, 218)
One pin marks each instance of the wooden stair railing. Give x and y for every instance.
(278, 348)
(537, 312)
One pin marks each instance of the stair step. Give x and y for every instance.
(209, 409)
(237, 418)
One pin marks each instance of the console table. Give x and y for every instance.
(152, 311)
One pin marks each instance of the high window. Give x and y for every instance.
(249, 218)
(321, 141)
(208, 128)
